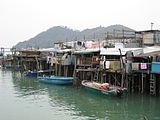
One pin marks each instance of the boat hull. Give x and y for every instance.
(56, 80)
(32, 74)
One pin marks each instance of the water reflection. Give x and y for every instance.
(84, 104)
(79, 104)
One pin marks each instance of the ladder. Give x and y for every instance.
(152, 84)
(96, 76)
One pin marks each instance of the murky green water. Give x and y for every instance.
(24, 98)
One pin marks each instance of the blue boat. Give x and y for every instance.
(56, 80)
(35, 73)
(31, 73)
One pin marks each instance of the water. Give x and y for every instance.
(24, 98)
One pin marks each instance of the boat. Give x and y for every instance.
(104, 88)
(59, 80)
(35, 73)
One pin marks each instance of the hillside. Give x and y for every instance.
(47, 38)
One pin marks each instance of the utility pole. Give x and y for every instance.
(152, 25)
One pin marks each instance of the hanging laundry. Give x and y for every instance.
(52, 61)
(128, 67)
(88, 44)
(47, 60)
(107, 64)
(135, 66)
(64, 56)
(143, 66)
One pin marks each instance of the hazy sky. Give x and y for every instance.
(21, 20)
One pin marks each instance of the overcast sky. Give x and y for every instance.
(21, 20)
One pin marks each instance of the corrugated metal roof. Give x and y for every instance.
(155, 53)
(47, 49)
(151, 49)
(115, 51)
(64, 50)
(87, 51)
(56, 50)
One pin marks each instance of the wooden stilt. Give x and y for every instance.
(132, 84)
(142, 84)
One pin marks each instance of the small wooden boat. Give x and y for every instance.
(104, 88)
(56, 80)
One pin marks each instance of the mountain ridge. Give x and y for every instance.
(47, 38)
